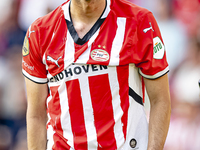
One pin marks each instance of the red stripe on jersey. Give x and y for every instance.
(123, 73)
(54, 110)
(76, 114)
(60, 143)
(105, 43)
(79, 49)
(103, 111)
(56, 48)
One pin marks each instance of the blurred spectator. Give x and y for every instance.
(12, 94)
(21, 142)
(137, 2)
(188, 12)
(197, 28)
(184, 132)
(5, 137)
(5, 9)
(185, 80)
(13, 100)
(10, 32)
(30, 10)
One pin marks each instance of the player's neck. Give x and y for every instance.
(87, 10)
(85, 13)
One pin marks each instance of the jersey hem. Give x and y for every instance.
(34, 79)
(155, 76)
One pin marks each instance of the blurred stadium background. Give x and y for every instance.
(179, 22)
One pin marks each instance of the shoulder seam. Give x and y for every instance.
(144, 15)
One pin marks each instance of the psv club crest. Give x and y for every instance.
(99, 55)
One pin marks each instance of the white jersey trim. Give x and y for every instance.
(107, 10)
(157, 75)
(34, 79)
(65, 9)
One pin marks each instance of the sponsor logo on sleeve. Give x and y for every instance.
(158, 48)
(25, 64)
(25, 48)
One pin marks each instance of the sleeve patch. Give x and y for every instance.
(25, 48)
(158, 48)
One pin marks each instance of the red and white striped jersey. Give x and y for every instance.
(95, 86)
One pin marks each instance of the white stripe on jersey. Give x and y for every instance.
(69, 51)
(93, 37)
(83, 58)
(116, 103)
(135, 80)
(65, 116)
(50, 140)
(137, 126)
(118, 41)
(88, 114)
(44, 61)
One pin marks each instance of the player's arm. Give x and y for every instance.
(36, 115)
(160, 111)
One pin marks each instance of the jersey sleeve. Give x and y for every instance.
(151, 52)
(32, 64)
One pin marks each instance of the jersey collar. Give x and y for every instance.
(96, 26)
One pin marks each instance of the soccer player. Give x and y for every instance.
(87, 64)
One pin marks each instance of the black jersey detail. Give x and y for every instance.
(89, 34)
(135, 96)
(75, 36)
